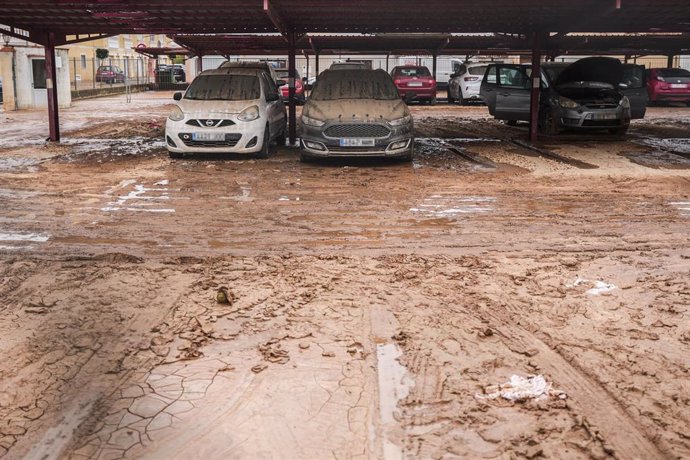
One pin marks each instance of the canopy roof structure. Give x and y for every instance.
(439, 44)
(76, 18)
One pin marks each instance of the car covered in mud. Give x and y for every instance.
(227, 110)
(591, 93)
(356, 113)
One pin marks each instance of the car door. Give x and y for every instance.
(634, 86)
(512, 92)
(488, 89)
(275, 109)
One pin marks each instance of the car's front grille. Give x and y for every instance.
(231, 140)
(210, 123)
(606, 123)
(367, 130)
(601, 106)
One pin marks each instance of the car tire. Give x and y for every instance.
(548, 124)
(451, 100)
(432, 101)
(265, 151)
(511, 122)
(305, 158)
(281, 140)
(175, 155)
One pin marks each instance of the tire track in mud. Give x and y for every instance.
(619, 428)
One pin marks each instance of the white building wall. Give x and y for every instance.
(26, 99)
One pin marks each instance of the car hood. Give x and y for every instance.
(601, 69)
(210, 109)
(356, 109)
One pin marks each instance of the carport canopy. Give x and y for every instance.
(53, 23)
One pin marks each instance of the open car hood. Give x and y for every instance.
(601, 69)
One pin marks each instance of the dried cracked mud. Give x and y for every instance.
(374, 309)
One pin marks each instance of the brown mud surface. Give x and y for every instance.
(375, 309)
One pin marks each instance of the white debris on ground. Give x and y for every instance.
(598, 287)
(521, 389)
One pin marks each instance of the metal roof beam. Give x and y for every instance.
(277, 20)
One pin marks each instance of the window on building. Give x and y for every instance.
(83, 61)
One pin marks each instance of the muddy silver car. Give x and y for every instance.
(592, 93)
(356, 113)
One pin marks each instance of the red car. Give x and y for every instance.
(282, 74)
(415, 83)
(668, 85)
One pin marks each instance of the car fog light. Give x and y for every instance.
(252, 142)
(171, 142)
(399, 145)
(314, 145)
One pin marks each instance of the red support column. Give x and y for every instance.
(292, 107)
(316, 65)
(435, 56)
(51, 87)
(536, 87)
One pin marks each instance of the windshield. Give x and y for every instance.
(412, 72)
(481, 70)
(355, 84)
(224, 88)
(670, 73)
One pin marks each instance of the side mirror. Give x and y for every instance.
(177, 96)
(281, 82)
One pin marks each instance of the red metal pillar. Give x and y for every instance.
(316, 65)
(536, 87)
(51, 87)
(292, 107)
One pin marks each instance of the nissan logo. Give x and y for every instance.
(209, 123)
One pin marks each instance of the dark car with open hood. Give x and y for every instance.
(591, 93)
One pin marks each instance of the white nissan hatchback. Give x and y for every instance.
(227, 110)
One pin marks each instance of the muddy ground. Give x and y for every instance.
(375, 309)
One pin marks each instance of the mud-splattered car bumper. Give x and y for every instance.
(192, 135)
(584, 118)
(335, 139)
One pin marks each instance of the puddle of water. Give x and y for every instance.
(682, 206)
(681, 145)
(394, 385)
(450, 206)
(23, 237)
(138, 199)
(14, 163)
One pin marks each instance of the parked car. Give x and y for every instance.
(415, 83)
(227, 110)
(110, 74)
(356, 113)
(464, 85)
(283, 78)
(165, 73)
(668, 85)
(591, 93)
(258, 65)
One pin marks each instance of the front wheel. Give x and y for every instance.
(282, 138)
(548, 124)
(432, 101)
(451, 99)
(265, 147)
(619, 131)
(305, 157)
(175, 155)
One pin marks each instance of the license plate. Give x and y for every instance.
(415, 84)
(208, 136)
(604, 116)
(679, 85)
(356, 142)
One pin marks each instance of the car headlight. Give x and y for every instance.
(625, 102)
(401, 121)
(176, 114)
(312, 121)
(567, 103)
(249, 114)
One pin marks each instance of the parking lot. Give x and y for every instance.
(373, 306)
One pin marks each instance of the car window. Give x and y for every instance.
(670, 73)
(456, 67)
(633, 76)
(491, 74)
(479, 70)
(462, 69)
(224, 88)
(270, 88)
(512, 78)
(355, 84)
(412, 72)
